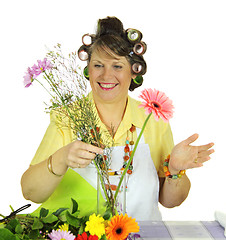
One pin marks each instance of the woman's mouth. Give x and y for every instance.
(107, 86)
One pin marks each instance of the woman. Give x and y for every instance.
(114, 67)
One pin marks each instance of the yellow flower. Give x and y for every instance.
(120, 226)
(95, 225)
(64, 227)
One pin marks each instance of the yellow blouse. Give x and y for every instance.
(157, 135)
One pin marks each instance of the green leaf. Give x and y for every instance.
(34, 234)
(62, 218)
(50, 219)
(12, 225)
(6, 234)
(18, 228)
(74, 206)
(37, 224)
(107, 214)
(43, 212)
(74, 221)
(2, 225)
(59, 211)
(81, 229)
(104, 237)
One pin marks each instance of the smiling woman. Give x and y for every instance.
(110, 79)
(115, 65)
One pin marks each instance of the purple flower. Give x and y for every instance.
(36, 70)
(28, 78)
(42, 66)
(60, 234)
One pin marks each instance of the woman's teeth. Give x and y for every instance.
(108, 85)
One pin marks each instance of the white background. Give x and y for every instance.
(186, 59)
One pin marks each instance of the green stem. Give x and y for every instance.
(98, 194)
(44, 88)
(2, 216)
(49, 80)
(102, 183)
(131, 157)
(58, 94)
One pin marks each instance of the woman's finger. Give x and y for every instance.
(205, 147)
(85, 154)
(80, 164)
(195, 165)
(191, 139)
(92, 149)
(204, 154)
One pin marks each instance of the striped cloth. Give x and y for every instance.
(181, 230)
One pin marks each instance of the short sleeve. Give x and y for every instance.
(55, 138)
(159, 137)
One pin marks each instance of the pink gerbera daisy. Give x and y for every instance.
(158, 103)
(61, 235)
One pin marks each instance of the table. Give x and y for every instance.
(181, 230)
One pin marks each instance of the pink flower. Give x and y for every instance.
(28, 78)
(36, 70)
(42, 66)
(158, 103)
(60, 235)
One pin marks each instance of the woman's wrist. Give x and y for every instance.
(172, 169)
(171, 172)
(56, 164)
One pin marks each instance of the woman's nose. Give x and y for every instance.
(107, 73)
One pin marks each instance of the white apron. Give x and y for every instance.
(142, 192)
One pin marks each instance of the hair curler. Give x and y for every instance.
(133, 35)
(87, 39)
(137, 68)
(83, 54)
(140, 48)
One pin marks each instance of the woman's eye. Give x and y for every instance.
(98, 65)
(117, 66)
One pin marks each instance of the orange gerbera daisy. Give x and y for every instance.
(120, 226)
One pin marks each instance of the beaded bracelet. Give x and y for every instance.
(167, 172)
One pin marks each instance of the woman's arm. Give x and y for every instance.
(184, 156)
(38, 183)
(173, 191)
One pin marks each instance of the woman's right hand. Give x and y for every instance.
(76, 154)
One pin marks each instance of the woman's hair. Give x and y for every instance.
(112, 38)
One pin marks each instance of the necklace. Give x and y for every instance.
(129, 144)
(128, 150)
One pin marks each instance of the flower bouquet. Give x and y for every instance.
(67, 87)
(64, 224)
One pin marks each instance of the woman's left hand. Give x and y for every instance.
(185, 156)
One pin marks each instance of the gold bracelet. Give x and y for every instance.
(50, 167)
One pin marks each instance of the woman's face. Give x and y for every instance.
(109, 76)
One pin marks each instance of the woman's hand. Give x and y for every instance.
(185, 156)
(77, 154)
(33, 182)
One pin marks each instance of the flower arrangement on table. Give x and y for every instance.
(68, 90)
(64, 224)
